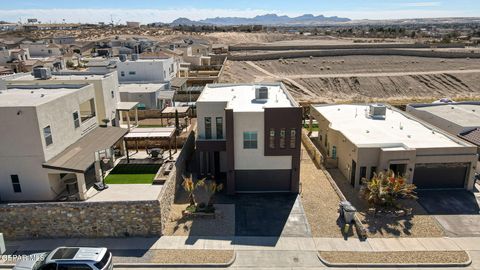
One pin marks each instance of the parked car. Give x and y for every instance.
(68, 258)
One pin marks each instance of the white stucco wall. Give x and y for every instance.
(254, 159)
(147, 71)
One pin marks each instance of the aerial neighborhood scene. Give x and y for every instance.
(239, 134)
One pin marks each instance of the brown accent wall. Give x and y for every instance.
(211, 145)
(229, 129)
(288, 118)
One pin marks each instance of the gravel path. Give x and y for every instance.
(180, 256)
(319, 199)
(397, 257)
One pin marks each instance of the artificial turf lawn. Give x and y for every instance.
(132, 174)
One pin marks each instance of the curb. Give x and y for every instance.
(163, 265)
(397, 265)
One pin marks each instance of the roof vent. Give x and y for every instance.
(261, 92)
(122, 57)
(42, 73)
(135, 57)
(377, 111)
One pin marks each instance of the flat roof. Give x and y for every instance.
(241, 97)
(173, 109)
(79, 156)
(396, 130)
(465, 114)
(141, 87)
(35, 95)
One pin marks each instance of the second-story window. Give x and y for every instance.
(122, 73)
(293, 138)
(250, 140)
(271, 139)
(47, 134)
(132, 73)
(16, 183)
(219, 127)
(76, 120)
(282, 138)
(208, 127)
(113, 94)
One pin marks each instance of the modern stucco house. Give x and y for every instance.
(362, 139)
(105, 85)
(248, 136)
(49, 138)
(460, 119)
(149, 95)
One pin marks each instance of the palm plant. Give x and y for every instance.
(211, 188)
(190, 186)
(385, 189)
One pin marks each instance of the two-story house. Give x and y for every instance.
(248, 137)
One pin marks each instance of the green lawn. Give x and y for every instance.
(132, 174)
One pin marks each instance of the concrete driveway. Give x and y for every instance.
(271, 215)
(457, 211)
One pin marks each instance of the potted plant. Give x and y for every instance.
(105, 122)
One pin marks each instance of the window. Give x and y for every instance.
(16, 183)
(101, 264)
(132, 73)
(208, 127)
(50, 51)
(50, 266)
(76, 120)
(363, 172)
(334, 152)
(219, 127)
(72, 266)
(47, 134)
(282, 138)
(122, 73)
(293, 138)
(249, 140)
(113, 94)
(271, 139)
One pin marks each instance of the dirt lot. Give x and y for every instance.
(364, 78)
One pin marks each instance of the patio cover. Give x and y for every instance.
(79, 156)
(126, 106)
(172, 110)
(151, 133)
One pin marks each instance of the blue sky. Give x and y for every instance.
(166, 11)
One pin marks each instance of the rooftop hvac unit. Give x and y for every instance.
(377, 111)
(261, 92)
(122, 57)
(42, 73)
(135, 57)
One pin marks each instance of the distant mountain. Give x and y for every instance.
(267, 19)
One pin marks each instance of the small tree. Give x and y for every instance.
(385, 189)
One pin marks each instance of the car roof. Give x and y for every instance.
(65, 254)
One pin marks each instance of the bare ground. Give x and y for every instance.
(398, 257)
(364, 78)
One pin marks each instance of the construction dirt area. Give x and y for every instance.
(363, 78)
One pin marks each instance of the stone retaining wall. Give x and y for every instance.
(80, 219)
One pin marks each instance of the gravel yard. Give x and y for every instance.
(179, 256)
(397, 257)
(420, 224)
(320, 202)
(188, 226)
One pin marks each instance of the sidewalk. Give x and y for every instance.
(255, 243)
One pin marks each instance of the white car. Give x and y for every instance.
(68, 258)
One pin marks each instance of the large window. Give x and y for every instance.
(47, 134)
(219, 127)
(271, 139)
(249, 140)
(208, 127)
(87, 110)
(293, 138)
(76, 119)
(16, 183)
(282, 138)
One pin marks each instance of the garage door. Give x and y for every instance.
(436, 176)
(263, 181)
